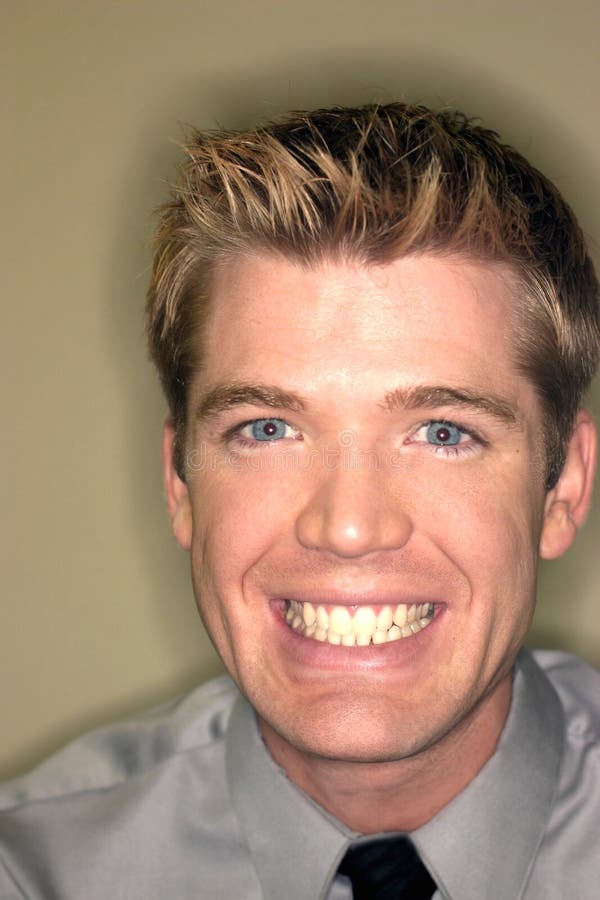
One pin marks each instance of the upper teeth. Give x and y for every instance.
(337, 625)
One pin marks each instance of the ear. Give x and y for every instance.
(176, 491)
(568, 502)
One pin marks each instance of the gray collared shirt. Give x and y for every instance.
(185, 803)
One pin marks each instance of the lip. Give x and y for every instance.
(356, 598)
(312, 656)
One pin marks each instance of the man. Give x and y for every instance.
(375, 328)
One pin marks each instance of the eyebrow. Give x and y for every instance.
(226, 396)
(430, 396)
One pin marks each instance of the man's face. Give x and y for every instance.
(361, 444)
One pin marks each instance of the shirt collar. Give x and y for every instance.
(501, 815)
(282, 826)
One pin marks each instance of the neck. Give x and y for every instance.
(400, 794)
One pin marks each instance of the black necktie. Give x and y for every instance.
(387, 869)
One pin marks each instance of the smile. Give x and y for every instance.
(358, 626)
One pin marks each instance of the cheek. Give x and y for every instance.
(484, 521)
(494, 545)
(238, 516)
(488, 526)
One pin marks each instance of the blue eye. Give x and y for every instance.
(443, 434)
(262, 431)
(268, 429)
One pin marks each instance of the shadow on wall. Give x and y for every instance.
(234, 99)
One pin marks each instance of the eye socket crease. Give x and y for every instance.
(469, 440)
(436, 396)
(229, 395)
(454, 432)
(237, 431)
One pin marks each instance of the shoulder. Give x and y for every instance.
(578, 687)
(568, 861)
(140, 808)
(123, 751)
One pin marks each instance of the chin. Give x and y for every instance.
(357, 734)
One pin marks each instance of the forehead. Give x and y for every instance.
(417, 318)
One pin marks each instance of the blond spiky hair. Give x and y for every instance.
(373, 184)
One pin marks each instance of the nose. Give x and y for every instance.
(354, 510)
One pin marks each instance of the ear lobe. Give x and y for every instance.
(568, 502)
(176, 491)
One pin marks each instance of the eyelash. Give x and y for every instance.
(234, 435)
(450, 450)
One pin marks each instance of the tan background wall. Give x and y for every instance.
(97, 614)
